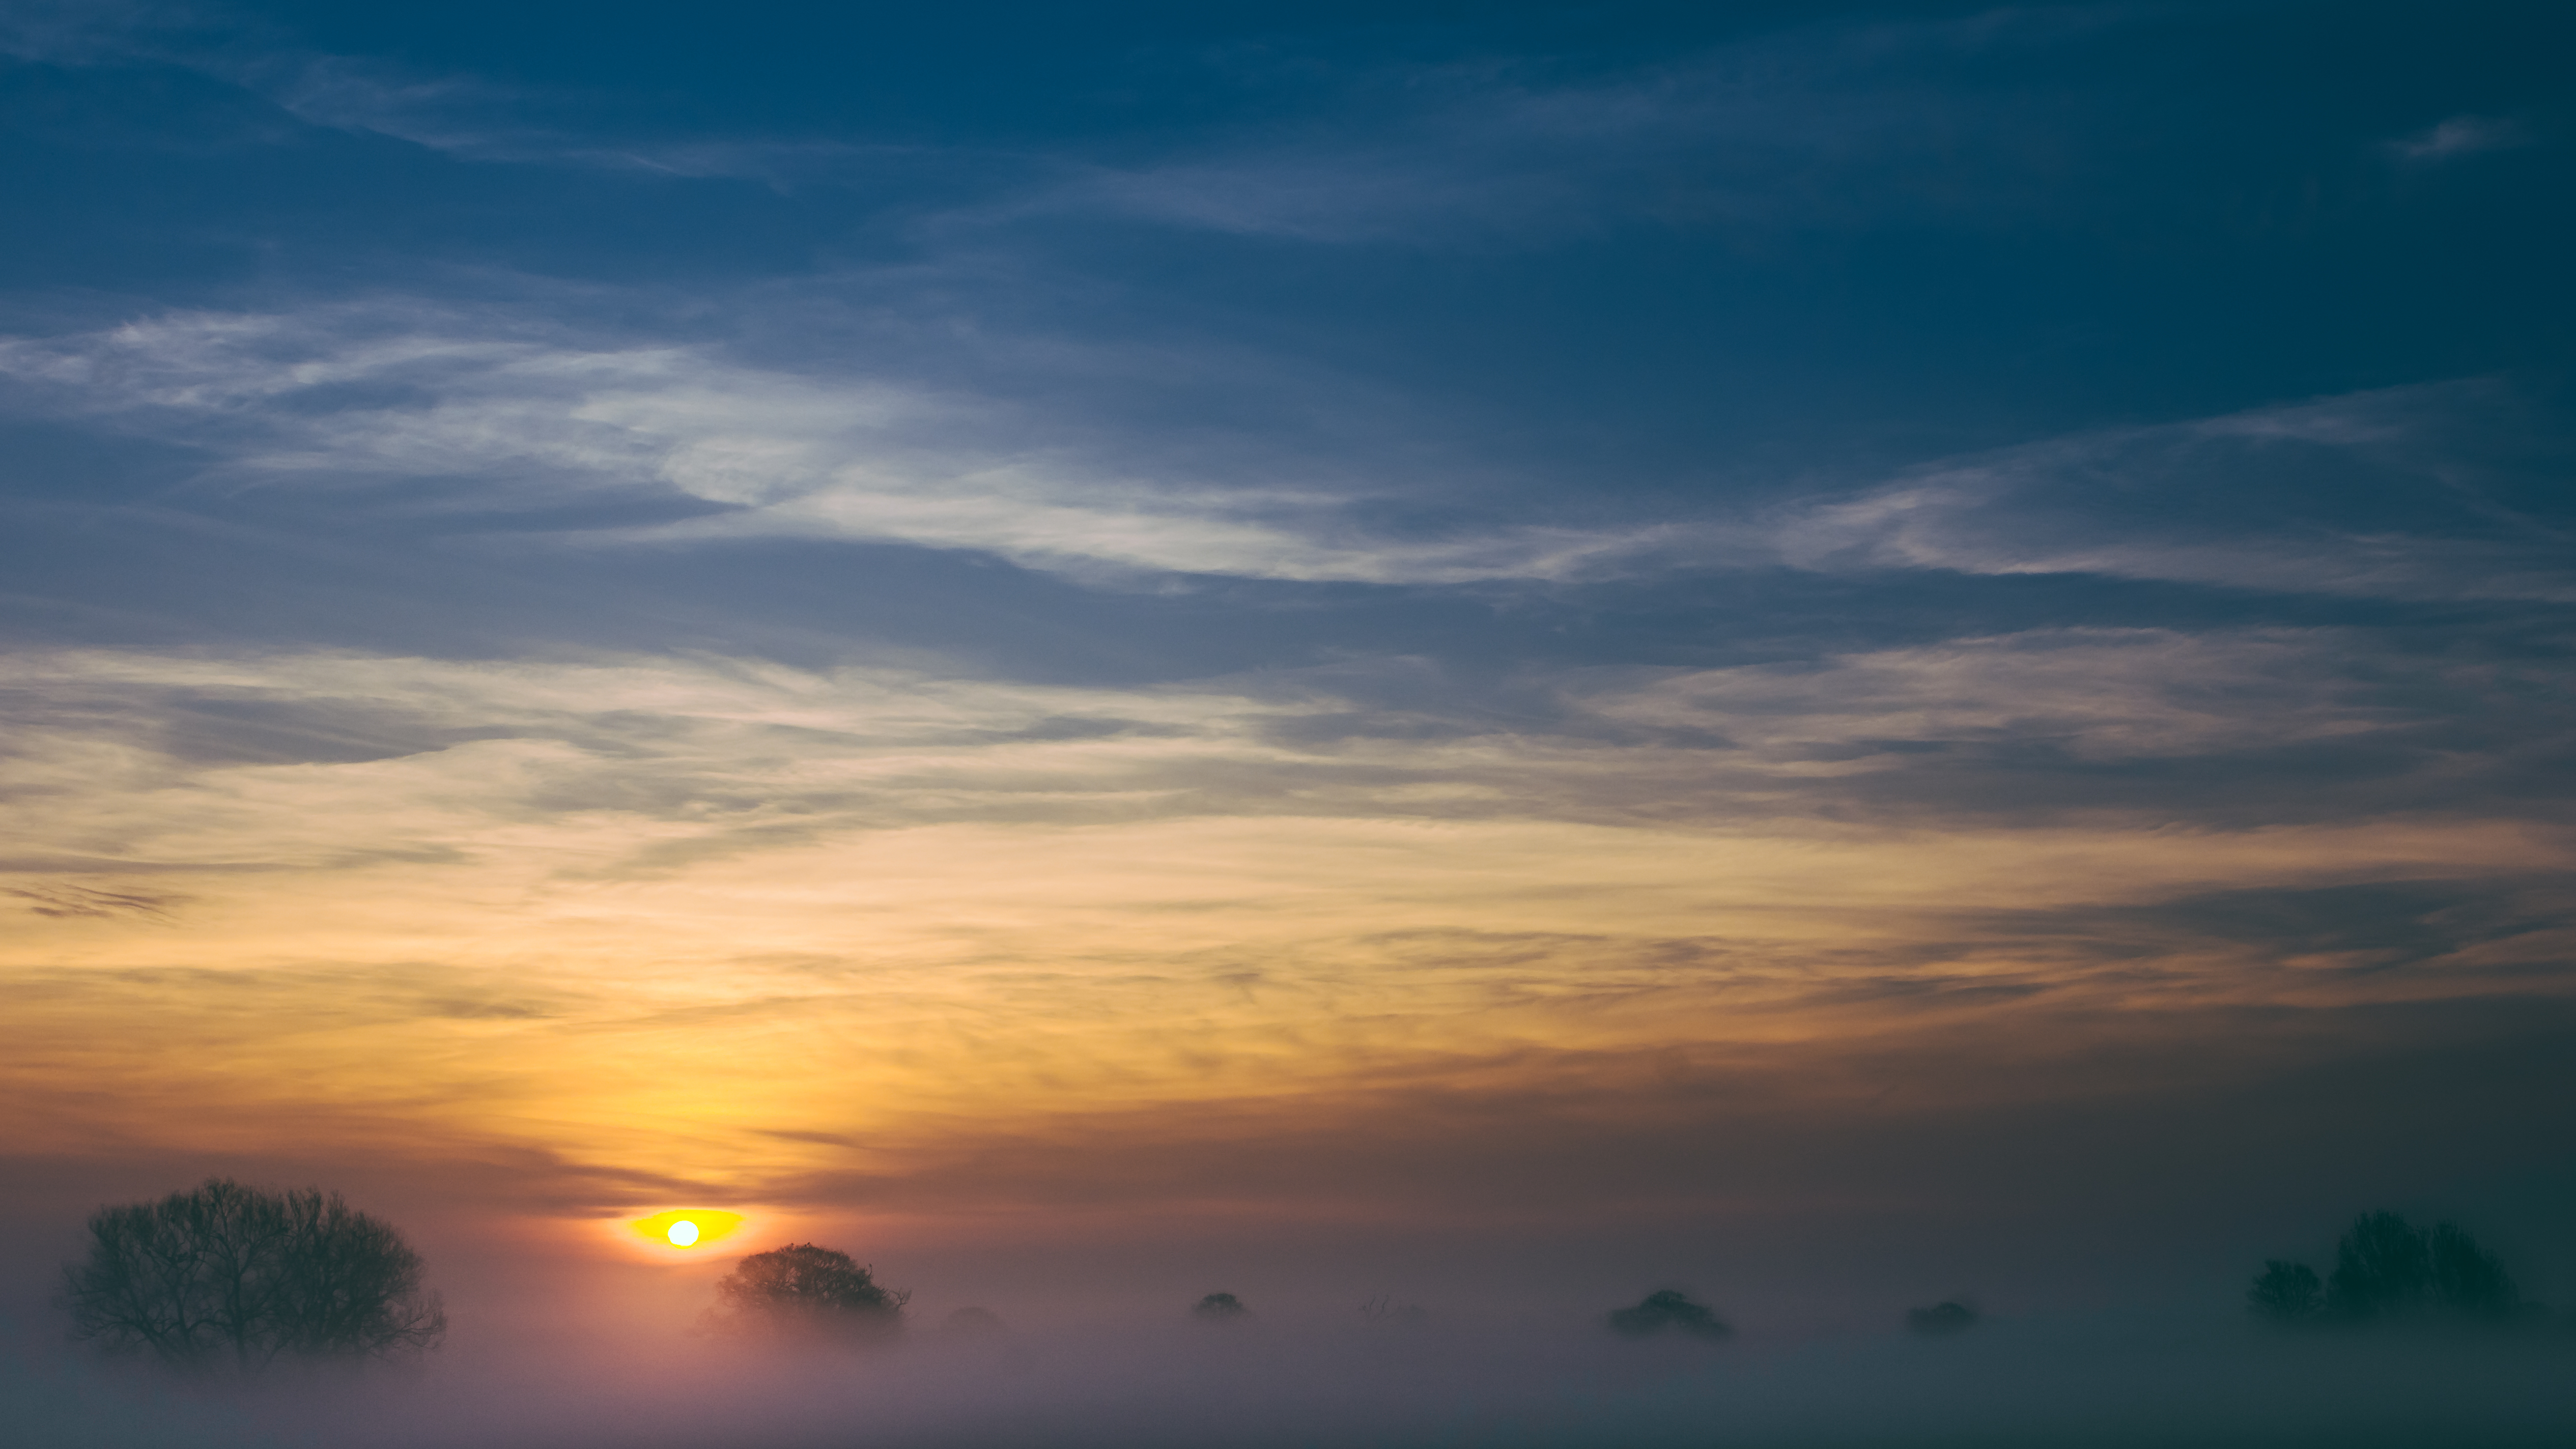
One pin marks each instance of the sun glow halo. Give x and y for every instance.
(687, 1227)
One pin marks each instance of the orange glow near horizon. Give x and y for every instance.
(759, 935)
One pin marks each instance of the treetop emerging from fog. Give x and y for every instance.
(804, 1291)
(2387, 1270)
(233, 1275)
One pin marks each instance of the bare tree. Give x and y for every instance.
(804, 1291)
(228, 1272)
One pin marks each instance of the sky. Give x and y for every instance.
(1833, 654)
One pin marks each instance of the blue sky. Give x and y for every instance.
(1291, 566)
(1576, 306)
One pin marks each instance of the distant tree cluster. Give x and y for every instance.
(233, 1274)
(2388, 1269)
(1219, 1308)
(1668, 1310)
(1941, 1319)
(804, 1291)
(228, 1274)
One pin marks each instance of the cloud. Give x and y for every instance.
(171, 758)
(91, 32)
(717, 920)
(2235, 726)
(2386, 925)
(253, 53)
(509, 417)
(461, 115)
(2422, 492)
(479, 120)
(1816, 126)
(2095, 694)
(1822, 124)
(2460, 136)
(69, 901)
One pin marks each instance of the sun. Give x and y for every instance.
(687, 1227)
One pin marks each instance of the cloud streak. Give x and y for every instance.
(2382, 494)
(343, 398)
(2407, 493)
(1816, 127)
(1264, 890)
(1791, 127)
(2459, 136)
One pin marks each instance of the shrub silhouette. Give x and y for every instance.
(2286, 1293)
(1941, 1319)
(233, 1273)
(1219, 1308)
(1383, 1311)
(2388, 1269)
(804, 1291)
(1668, 1310)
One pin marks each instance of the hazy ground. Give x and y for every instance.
(2095, 1380)
(2110, 1328)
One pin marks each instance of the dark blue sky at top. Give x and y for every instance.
(1480, 266)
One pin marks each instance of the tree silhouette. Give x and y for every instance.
(1668, 1310)
(804, 1291)
(1941, 1319)
(2382, 1266)
(2467, 1279)
(2387, 1268)
(2286, 1293)
(228, 1272)
(1219, 1308)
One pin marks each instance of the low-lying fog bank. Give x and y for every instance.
(2096, 1381)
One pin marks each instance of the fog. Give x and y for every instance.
(628, 1374)
(2108, 1248)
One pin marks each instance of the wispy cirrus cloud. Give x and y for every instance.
(1823, 124)
(709, 757)
(2458, 136)
(2422, 492)
(464, 115)
(459, 892)
(1814, 126)
(475, 119)
(506, 417)
(84, 32)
